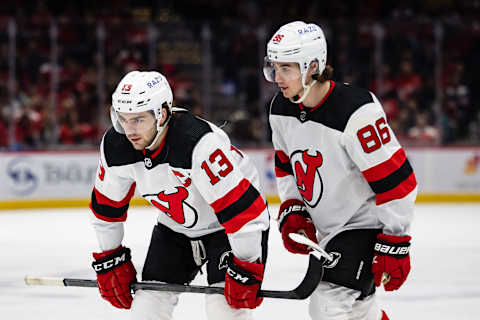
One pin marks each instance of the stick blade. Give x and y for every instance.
(312, 278)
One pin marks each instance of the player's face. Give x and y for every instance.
(140, 128)
(288, 78)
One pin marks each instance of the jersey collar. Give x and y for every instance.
(157, 151)
(302, 108)
(151, 159)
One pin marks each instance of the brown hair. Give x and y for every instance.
(326, 74)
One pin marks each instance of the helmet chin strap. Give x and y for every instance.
(160, 129)
(149, 147)
(306, 90)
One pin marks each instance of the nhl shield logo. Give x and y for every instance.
(148, 162)
(303, 116)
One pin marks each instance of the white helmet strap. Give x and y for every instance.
(306, 90)
(160, 129)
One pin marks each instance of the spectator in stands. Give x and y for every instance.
(408, 82)
(3, 131)
(457, 90)
(422, 132)
(408, 56)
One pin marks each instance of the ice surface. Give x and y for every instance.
(444, 282)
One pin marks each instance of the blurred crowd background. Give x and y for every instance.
(60, 62)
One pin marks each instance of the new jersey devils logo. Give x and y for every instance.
(309, 181)
(175, 206)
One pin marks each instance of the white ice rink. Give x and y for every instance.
(444, 282)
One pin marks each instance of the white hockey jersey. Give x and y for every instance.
(196, 181)
(343, 160)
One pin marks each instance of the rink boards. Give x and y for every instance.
(65, 179)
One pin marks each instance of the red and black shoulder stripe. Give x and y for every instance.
(282, 164)
(391, 179)
(239, 206)
(109, 210)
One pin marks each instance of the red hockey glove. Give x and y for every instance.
(242, 282)
(294, 218)
(391, 257)
(115, 272)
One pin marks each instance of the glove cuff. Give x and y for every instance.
(393, 239)
(253, 267)
(105, 262)
(394, 246)
(244, 272)
(291, 206)
(103, 254)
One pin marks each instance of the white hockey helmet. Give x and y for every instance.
(297, 42)
(141, 91)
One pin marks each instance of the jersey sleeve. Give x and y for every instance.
(109, 203)
(229, 182)
(285, 178)
(373, 147)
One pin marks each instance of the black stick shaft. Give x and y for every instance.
(312, 277)
(68, 282)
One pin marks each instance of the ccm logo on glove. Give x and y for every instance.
(105, 266)
(242, 282)
(241, 276)
(115, 273)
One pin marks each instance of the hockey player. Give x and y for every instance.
(343, 178)
(206, 194)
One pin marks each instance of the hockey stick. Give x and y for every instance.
(306, 241)
(304, 290)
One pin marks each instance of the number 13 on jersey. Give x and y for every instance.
(225, 166)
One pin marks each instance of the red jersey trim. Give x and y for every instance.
(282, 164)
(385, 168)
(108, 219)
(231, 197)
(103, 200)
(399, 192)
(159, 149)
(279, 173)
(282, 156)
(252, 212)
(332, 85)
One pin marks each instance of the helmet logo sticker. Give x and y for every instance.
(126, 87)
(278, 38)
(307, 29)
(154, 82)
